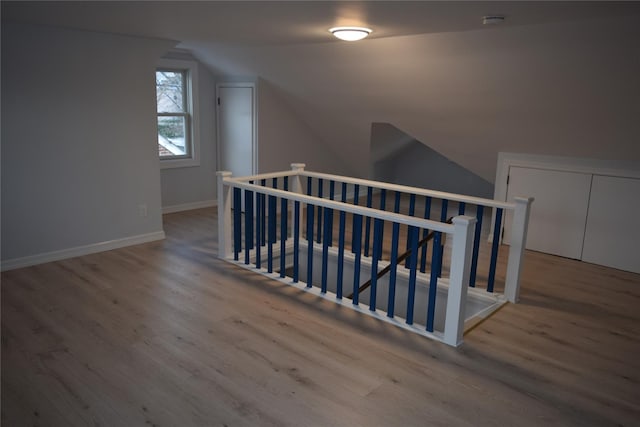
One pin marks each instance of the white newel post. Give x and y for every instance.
(518, 240)
(224, 216)
(464, 227)
(296, 187)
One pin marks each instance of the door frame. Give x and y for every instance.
(254, 131)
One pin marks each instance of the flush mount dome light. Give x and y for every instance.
(350, 34)
(492, 19)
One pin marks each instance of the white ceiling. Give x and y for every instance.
(429, 68)
(295, 22)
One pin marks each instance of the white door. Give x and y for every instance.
(613, 233)
(236, 128)
(559, 212)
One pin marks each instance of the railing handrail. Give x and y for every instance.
(383, 185)
(413, 190)
(342, 206)
(267, 175)
(520, 207)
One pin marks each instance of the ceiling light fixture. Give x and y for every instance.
(492, 19)
(350, 34)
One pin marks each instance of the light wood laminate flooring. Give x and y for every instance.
(165, 334)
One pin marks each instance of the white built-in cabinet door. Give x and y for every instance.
(559, 212)
(612, 235)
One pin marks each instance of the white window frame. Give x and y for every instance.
(193, 122)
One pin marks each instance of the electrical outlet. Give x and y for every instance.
(142, 209)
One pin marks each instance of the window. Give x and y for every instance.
(173, 114)
(176, 81)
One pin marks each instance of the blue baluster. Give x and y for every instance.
(383, 207)
(283, 236)
(378, 224)
(443, 211)
(284, 211)
(328, 224)
(412, 212)
(357, 238)
(296, 241)
(443, 218)
(259, 228)
(413, 263)
(263, 213)
(425, 233)
(356, 196)
(394, 258)
(367, 223)
(394, 266)
(274, 184)
(272, 228)
(396, 202)
(237, 222)
(341, 226)
(461, 208)
(325, 248)
(436, 259)
(310, 211)
(476, 246)
(320, 191)
(332, 191)
(248, 224)
(497, 228)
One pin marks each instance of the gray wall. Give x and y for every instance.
(196, 184)
(565, 89)
(285, 138)
(401, 159)
(79, 144)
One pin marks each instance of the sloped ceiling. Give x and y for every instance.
(556, 78)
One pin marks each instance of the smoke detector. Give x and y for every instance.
(492, 19)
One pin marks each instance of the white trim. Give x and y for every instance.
(194, 111)
(189, 206)
(108, 245)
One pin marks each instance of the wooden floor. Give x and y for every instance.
(165, 334)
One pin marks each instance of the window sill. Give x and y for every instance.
(178, 163)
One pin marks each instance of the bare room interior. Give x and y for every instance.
(129, 287)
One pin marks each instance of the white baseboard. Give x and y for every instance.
(189, 206)
(27, 261)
